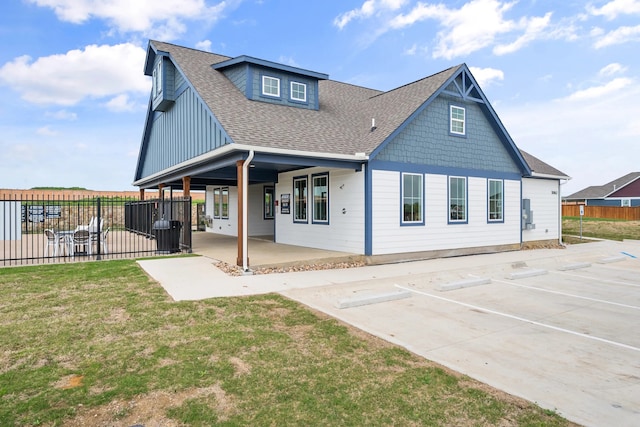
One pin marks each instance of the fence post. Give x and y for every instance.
(99, 230)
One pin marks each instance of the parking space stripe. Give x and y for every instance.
(521, 319)
(614, 282)
(633, 307)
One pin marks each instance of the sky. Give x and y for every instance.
(563, 76)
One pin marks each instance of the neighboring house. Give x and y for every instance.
(426, 169)
(624, 191)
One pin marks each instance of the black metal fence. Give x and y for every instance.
(64, 229)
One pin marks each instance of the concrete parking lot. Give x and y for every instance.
(559, 327)
(563, 332)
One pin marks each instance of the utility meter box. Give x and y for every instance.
(527, 215)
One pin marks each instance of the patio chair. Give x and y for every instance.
(103, 239)
(80, 238)
(52, 241)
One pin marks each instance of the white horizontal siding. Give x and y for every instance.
(345, 231)
(228, 227)
(257, 226)
(437, 234)
(545, 206)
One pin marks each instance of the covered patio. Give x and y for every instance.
(264, 253)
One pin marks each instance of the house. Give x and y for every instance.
(624, 191)
(423, 170)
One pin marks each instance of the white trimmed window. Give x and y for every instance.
(270, 86)
(157, 80)
(221, 203)
(320, 185)
(216, 202)
(412, 198)
(457, 199)
(457, 120)
(298, 92)
(496, 200)
(300, 199)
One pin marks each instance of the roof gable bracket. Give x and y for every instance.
(465, 88)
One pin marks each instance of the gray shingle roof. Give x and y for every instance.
(537, 166)
(601, 191)
(341, 126)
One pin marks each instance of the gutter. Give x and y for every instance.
(245, 211)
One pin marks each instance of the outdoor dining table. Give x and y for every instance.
(66, 236)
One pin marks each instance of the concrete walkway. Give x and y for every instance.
(566, 339)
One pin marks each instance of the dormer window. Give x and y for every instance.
(157, 80)
(270, 86)
(298, 92)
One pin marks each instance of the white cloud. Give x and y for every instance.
(120, 104)
(534, 29)
(618, 36)
(478, 24)
(67, 79)
(204, 45)
(62, 115)
(46, 131)
(486, 76)
(612, 9)
(596, 92)
(288, 60)
(612, 69)
(368, 9)
(154, 18)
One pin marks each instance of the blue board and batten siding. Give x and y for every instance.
(185, 131)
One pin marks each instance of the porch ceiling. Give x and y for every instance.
(264, 168)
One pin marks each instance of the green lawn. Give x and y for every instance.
(101, 344)
(609, 229)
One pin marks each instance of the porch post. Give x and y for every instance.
(186, 186)
(239, 164)
(142, 194)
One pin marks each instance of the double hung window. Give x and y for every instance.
(300, 199)
(457, 125)
(320, 185)
(221, 203)
(269, 203)
(156, 89)
(412, 198)
(457, 199)
(496, 200)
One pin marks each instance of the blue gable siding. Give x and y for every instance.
(427, 141)
(185, 131)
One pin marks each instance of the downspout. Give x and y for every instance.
(245, 211)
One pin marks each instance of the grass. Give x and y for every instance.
(101, 344)
(600, 228)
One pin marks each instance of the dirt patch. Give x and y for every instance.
(70, 381)
(542, 244)
(148, 410)
(240, 366)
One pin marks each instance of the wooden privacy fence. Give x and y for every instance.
(608, 212)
